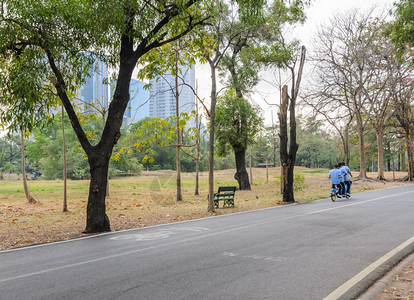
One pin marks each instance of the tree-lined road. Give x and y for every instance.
(304, 251)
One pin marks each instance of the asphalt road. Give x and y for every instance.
(319, 250)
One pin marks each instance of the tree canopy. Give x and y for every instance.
(403, 26)
(232, 132)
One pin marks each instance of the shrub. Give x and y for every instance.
(298, 182)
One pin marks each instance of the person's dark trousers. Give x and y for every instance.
(348, 186)
(342, 188)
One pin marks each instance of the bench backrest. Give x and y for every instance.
(227, 189)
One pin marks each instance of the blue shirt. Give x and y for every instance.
(334, 174)
(343, 172)
(347, 171)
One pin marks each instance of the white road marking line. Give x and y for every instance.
(162, 234)
(361, 275)
(193, 238)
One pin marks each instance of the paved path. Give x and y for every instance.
(320, 250)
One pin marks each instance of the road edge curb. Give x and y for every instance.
(384, 282)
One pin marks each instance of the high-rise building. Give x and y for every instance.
(96, 88)
(98, 92)
(162, 101)
(138, 105)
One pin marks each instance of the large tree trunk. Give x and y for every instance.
(287, 181)
(97, 220)
(241, 175)
(29, 197)
(285, 160)
(99, 155)
(380, 139)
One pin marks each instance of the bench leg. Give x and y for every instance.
(228, 202)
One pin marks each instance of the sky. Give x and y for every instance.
(317, 14)
(321, 10)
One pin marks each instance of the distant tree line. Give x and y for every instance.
(44, 154)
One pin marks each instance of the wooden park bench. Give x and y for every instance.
(225, 193)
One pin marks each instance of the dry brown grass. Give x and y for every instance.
(142, 201)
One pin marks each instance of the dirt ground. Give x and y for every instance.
(402, 286)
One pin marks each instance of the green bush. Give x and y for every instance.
(298, 182)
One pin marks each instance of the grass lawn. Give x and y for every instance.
(145, 200)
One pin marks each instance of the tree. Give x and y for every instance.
(65, 172)
(402, 34)
(288, 144)
(229, 32)
(198, 138)
(174, 60)
(252, 44)
(274, 51)
(344, 69)
(213, 43)
(378, 96)
(402, 31)
(401, 90)
(47, 40)
(198, 150)
(243, 76)
(368, 51)
(237, 123)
